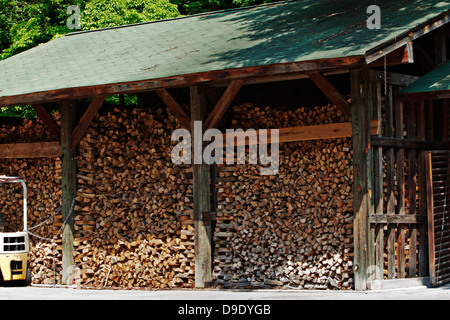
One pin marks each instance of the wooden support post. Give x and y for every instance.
(68, 119)
(378, 180)
(361, 110)
(421, 134)
(202, 195)
(400, 175)
(390, 181)
(412, 184)
(430, 210)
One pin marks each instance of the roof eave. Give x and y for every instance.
(184, 80)
(407, 37)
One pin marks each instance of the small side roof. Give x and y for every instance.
(435, 84)
(181, 51)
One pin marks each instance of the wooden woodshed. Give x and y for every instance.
(197, 66)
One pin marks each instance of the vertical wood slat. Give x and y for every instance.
(69, 180)
(438, 170)
(378, 179)
(421, 134)
(361, 112)
(446, 106)
(430, 209)
(202, 198)
(390, 172)
(412, 182)
(400, 153)
(430, 121)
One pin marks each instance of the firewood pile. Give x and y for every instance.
(134, 211)
(292, 229)
(134, 223)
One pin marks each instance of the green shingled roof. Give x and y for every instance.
(436, 80)
(255, 36)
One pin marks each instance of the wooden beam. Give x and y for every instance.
(47, 118)
(183, 80)
(398, 218)
(202, 195)
(30, 150)
(177, 110)
(279, 77)
(361, 109)
(304, 133)
(402, 55)
(86, 120)
(69, 180)
(331, 92)
(222, 105)
(409, 143)
(392, 78)
(432, 95)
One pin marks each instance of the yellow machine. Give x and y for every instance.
(14, 246)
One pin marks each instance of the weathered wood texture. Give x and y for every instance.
(361, 110)
(301, 133)
(81, 127)
(202, 194)
(399, 179)
(69, 187)
(30, 150)
(438, 184)
(258, 72)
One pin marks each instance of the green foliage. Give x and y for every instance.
(25, 24)
(18, 112)
(198, 6)
(107, 13)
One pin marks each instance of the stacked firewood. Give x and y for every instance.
(134, 211)
(43, 179)
(295, 228)
(134, 223)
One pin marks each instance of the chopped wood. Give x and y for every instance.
(134, 223)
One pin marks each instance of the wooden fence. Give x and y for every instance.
(438, 180)
(398, 219)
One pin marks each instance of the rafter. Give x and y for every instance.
(331, 92)
(175, 108)
(47, 118)
(86, 120)
(223, 104)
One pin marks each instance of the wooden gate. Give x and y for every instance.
(438, 194)
(399, 214)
